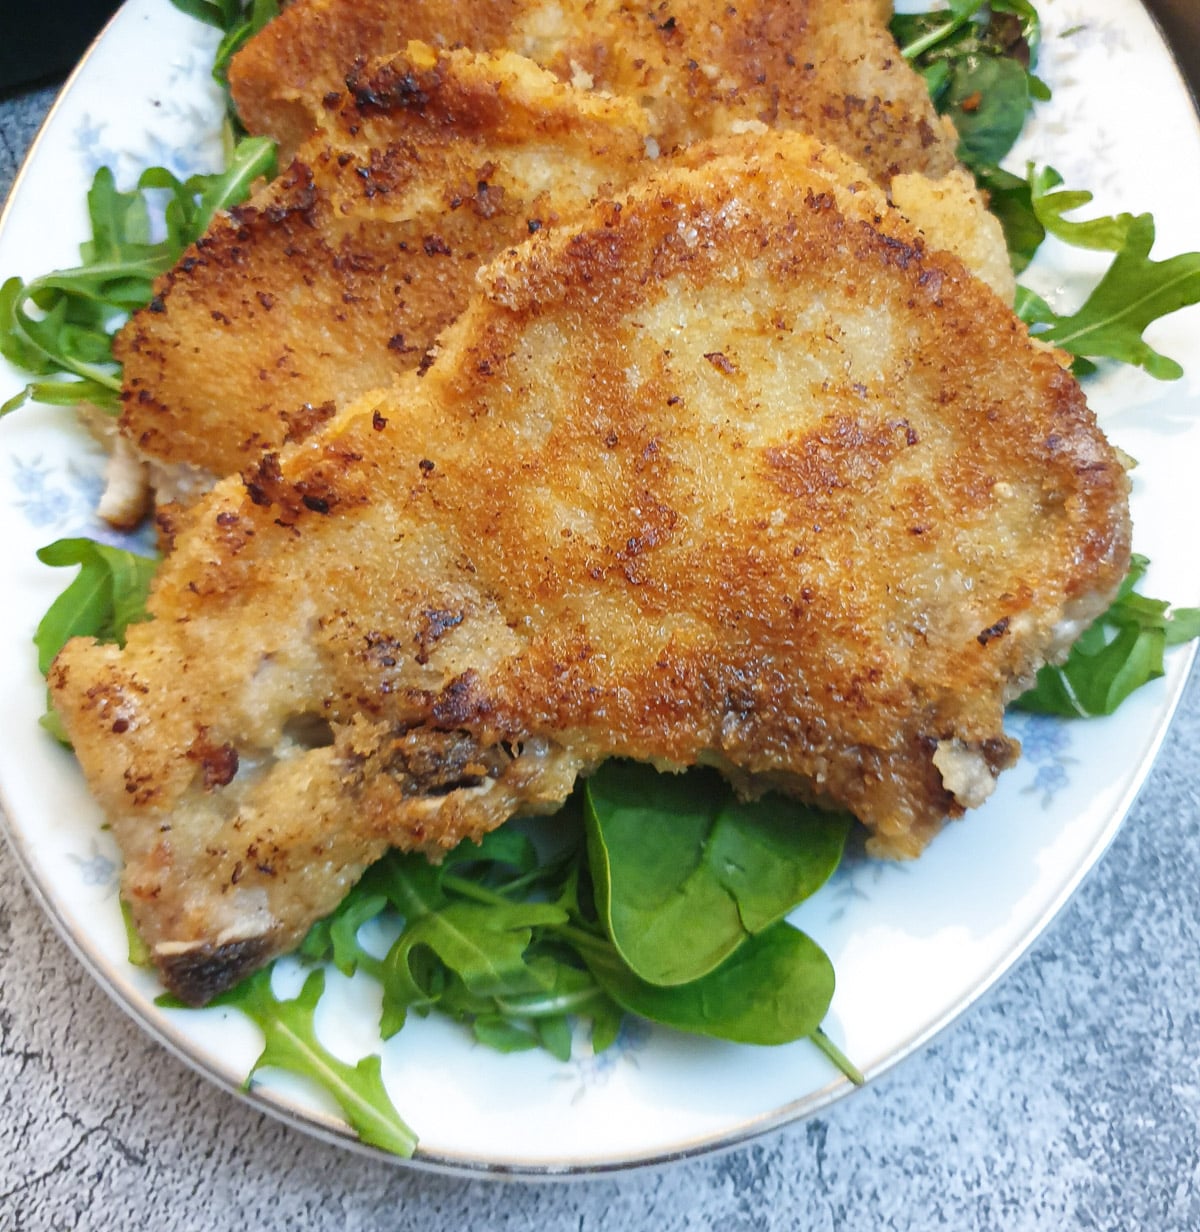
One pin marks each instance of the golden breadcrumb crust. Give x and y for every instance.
(825, 67)
(340, 274)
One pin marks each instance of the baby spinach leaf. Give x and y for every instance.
(777, 987)
(1116, 654)
(684, 872)
(988, 99)
(291, 1044)
(976, 59)
(1010, 199)
(107, 595)
(219, 13)
(838, 1057)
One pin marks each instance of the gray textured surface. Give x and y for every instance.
(20, 115)
(1069, 1098)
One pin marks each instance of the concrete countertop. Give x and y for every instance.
(1068, 1098)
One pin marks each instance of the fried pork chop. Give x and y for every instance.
(735, 472)
(340, 274)
(700, 68)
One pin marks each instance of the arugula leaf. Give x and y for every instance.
(684, 872)
(107, 595)
(1133, 293)
(291, 1044)
(137, 951)
(482, 947)
(1116, 654)
(924, 36)
(1049, 203)
(504, 1035)
(335, 938)
(61, 325)
(977, 59)
(502, 937)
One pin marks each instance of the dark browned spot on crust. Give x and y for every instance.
(389, 88)
(434, 623)
(218, 762)
(200, 973)
(306, 419)
(721, 362)
(428, 762)
(267, 486)
(461, 701)
(842, 453)
(264, 482)
(993, 631)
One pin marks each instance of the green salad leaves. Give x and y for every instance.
(1117, 654)
(504, 937)
(60, 327)
(1134, 292)
(106, 596)
(662, 859)
(238, 21)
(291, 1044)
(978, 60)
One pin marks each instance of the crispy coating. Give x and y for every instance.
(340, 274)
(950, 212)
(825, 67)
(733, 472)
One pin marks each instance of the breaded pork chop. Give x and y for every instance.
(735, 472)
(340, 274)
(699, 67)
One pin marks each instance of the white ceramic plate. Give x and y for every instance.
(913, 945)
